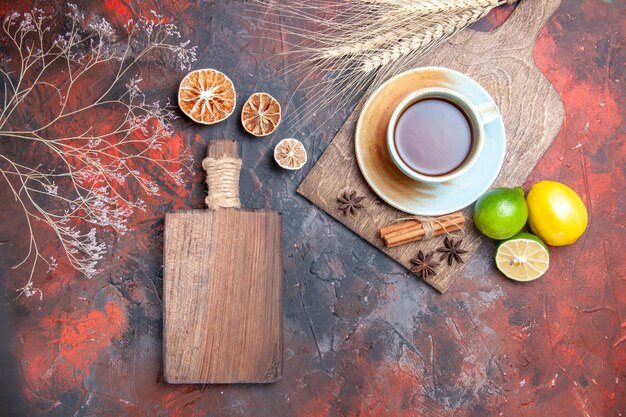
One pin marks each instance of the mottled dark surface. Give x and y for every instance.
(362, 337)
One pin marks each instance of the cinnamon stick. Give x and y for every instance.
(384, 231)
(413, 223)
(413, 230)
(414, 235)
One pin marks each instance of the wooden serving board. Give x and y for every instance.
(222, 292)
(502, 62)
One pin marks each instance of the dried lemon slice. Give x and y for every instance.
(260, 115)
(207, 96)
(290, 154)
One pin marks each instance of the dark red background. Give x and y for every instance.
(362, 337)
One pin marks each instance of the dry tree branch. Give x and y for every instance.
(79, 176)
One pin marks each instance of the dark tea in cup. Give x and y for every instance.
(433, 136)
(437, 134)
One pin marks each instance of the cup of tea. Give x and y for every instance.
(437, 134)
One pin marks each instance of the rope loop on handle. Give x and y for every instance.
(222, 180)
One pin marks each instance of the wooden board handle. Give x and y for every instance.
(522, 27)
(222, 165)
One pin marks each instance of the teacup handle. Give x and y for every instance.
(488, 112)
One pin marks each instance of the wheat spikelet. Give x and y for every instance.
(340, 47)
(418, 41)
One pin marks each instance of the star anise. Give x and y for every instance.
(349, 203)
(424, 265)
(452, 250)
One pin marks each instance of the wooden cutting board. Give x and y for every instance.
(502, 62)
(222, 289)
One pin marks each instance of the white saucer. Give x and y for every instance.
(388, 182)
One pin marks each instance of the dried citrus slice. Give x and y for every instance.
(290, 154)
(207, 96)
(261, 114)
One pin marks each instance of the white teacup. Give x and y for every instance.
(477, 115)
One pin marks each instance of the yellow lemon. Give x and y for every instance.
(556, 213)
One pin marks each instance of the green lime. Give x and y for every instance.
(501, 212)
(524, 257)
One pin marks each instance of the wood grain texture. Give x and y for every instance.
(222, 148)
(502, 62)
(222, 292)
(222, 289)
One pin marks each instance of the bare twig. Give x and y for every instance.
(84, 170)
